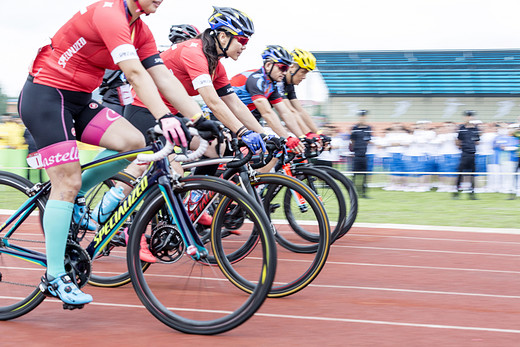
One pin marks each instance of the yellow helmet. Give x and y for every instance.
(304, 59)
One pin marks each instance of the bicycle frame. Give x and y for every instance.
(157, 174)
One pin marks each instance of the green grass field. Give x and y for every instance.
(432, 208)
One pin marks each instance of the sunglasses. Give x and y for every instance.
(242, 40)
(282, 67)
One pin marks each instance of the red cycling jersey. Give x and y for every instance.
(188, 63)
(94, 39)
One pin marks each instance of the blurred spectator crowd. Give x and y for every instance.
(424, 156)
(418, 157)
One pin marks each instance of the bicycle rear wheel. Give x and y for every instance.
(194, 296)
(19, 276)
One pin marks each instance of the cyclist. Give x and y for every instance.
(57, 107)
(304, 61)
(257, 89)
(182, 32)
(196, 63)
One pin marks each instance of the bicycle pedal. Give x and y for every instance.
(43, 286)
(72, 307)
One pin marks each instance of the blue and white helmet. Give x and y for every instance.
(231, 20)
(277, 54)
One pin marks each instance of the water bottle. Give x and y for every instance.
(107, 204)
(195, 196)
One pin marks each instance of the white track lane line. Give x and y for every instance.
(408, 266)
(340, 320)
(426, 292)
(430, 239)
(428, 251)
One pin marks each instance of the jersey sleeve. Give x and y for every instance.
(221, 80)
(196, 66)
(146, 46)
(255, 86)
(290, 92)
(112, 28)
(275, 97)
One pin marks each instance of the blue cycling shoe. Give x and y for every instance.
(80, 215)
(63, 288)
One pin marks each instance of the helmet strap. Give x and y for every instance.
(140, 8)
(295, 72)
(224, 50)
(270, 70)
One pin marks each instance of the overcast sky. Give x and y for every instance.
(313, 25)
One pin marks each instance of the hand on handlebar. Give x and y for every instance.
(209, 129)
(294, 144)
(253, 140)
(312, 137)
(174, 130)
(275, 140)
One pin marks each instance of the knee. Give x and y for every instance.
(66, 185)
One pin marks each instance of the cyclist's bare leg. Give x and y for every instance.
(65, 180)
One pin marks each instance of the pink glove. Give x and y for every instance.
(173, 131)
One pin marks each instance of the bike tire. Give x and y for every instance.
(193, 296)
(352, 201)
(330, 195)
(291, 277)
(19, 278)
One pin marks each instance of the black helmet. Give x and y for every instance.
(362, 112)
(277, 54)
(182, 32)
(469, 113)
(231, 20)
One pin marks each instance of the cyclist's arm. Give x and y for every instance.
(289, 119)
(174, 91)
(144, 86)
(298, 116)
(241, 111)
(264, 107)
(304, 116)
(219, 108)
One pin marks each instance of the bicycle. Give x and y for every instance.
(239, 247)
(169, 289)
(269, 190)
(335, 190)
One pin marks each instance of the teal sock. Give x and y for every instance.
(98, 174)
(56, 223)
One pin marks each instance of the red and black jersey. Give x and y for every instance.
(94, 39)
(188, 63)
(254, 84)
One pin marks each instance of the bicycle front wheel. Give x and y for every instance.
(351, 200)
(294, 272)
(20, 275)
(330, 195)
(195, 296)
